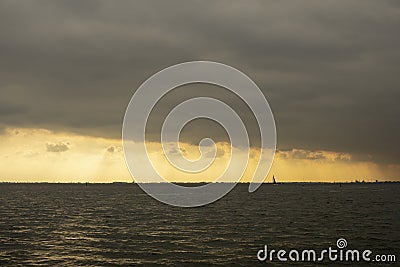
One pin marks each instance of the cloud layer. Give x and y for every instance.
(330, 69)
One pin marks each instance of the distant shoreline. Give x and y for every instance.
(200, 183)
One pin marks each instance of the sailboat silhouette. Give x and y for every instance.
(273, 179)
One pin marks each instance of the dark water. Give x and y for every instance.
(117, 224)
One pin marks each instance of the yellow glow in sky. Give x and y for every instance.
(39, 155)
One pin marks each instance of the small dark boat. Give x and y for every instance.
(273, 179)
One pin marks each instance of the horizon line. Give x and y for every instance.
(116, 182)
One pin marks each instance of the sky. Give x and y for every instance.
(329, 70)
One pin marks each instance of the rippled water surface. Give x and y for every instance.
(117, 224)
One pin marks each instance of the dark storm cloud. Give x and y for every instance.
(330, 69)
(6, 110)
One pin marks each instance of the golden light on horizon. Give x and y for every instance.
(40, 155)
